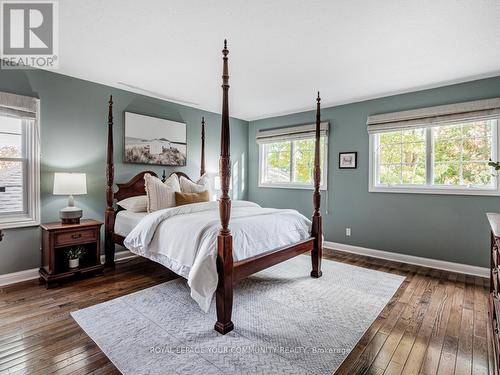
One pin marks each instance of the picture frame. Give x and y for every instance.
(154, 141)
(348, 160)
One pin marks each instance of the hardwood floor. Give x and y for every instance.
(436, 323)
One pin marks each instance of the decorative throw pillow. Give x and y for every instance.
(160, 195)
(203, 184)
(187, 198)
(173, 182)
(138, 203)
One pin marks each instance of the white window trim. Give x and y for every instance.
(426, 189)
(32, 217)
(294, 185)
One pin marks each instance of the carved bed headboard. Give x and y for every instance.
(136, 186)
(133, 187)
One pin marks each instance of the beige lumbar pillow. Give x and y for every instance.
(160, 194)
(187, 198)
(203, 184)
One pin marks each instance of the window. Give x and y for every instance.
(19, 162)
(442, 157)
(287, 160)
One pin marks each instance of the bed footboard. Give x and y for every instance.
(260, 262)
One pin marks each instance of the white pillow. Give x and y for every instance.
(138, 203)
(203, 184)
(173, 182)
(160, 195)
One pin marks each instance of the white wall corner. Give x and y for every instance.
(410, 259)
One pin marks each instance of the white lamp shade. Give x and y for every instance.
(70, 183)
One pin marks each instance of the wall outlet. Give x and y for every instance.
(348, 232)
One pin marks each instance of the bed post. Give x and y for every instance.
(202, 164)
(224, 293)
(109, 214)
(317, 221)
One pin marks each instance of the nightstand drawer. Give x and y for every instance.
(74, 237)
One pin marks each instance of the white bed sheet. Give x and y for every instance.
(184, 239)
(125, 221)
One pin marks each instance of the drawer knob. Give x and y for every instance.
(77, 235)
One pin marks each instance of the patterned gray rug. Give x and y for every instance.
(285, 323)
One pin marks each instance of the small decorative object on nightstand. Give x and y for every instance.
(70, 184)
(63, 242)
(74, 254)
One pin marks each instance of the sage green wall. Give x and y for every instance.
(445, 227)
(73, 139)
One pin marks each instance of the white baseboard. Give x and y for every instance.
(410, 259)
(17, 277)
(121, 255)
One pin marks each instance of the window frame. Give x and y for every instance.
(293, 185)
(31, 165)
(374, 166)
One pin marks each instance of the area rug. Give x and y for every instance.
(285, 323)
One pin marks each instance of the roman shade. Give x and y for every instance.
(18, 105)
(434, 116)
(290, 133)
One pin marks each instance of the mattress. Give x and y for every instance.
(125, 221)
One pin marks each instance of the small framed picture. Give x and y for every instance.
(348, 160)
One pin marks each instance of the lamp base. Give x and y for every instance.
(70, 221)
(70, 215)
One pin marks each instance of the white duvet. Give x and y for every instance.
(184, 239)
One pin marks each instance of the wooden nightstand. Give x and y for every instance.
(57, 238)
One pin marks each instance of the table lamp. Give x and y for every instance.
(70, 184)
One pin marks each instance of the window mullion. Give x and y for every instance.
(494, 147)
(262, 162)
(376, 158)
(401, 159)
(460, 168)
(27, 186)
(429, 157)
(292, 158)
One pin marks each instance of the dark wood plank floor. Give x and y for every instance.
(435, 324)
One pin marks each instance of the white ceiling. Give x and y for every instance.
(281, 51)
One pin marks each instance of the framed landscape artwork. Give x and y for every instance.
(152, 140)
(348, 160)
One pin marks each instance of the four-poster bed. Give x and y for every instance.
(228, 271)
